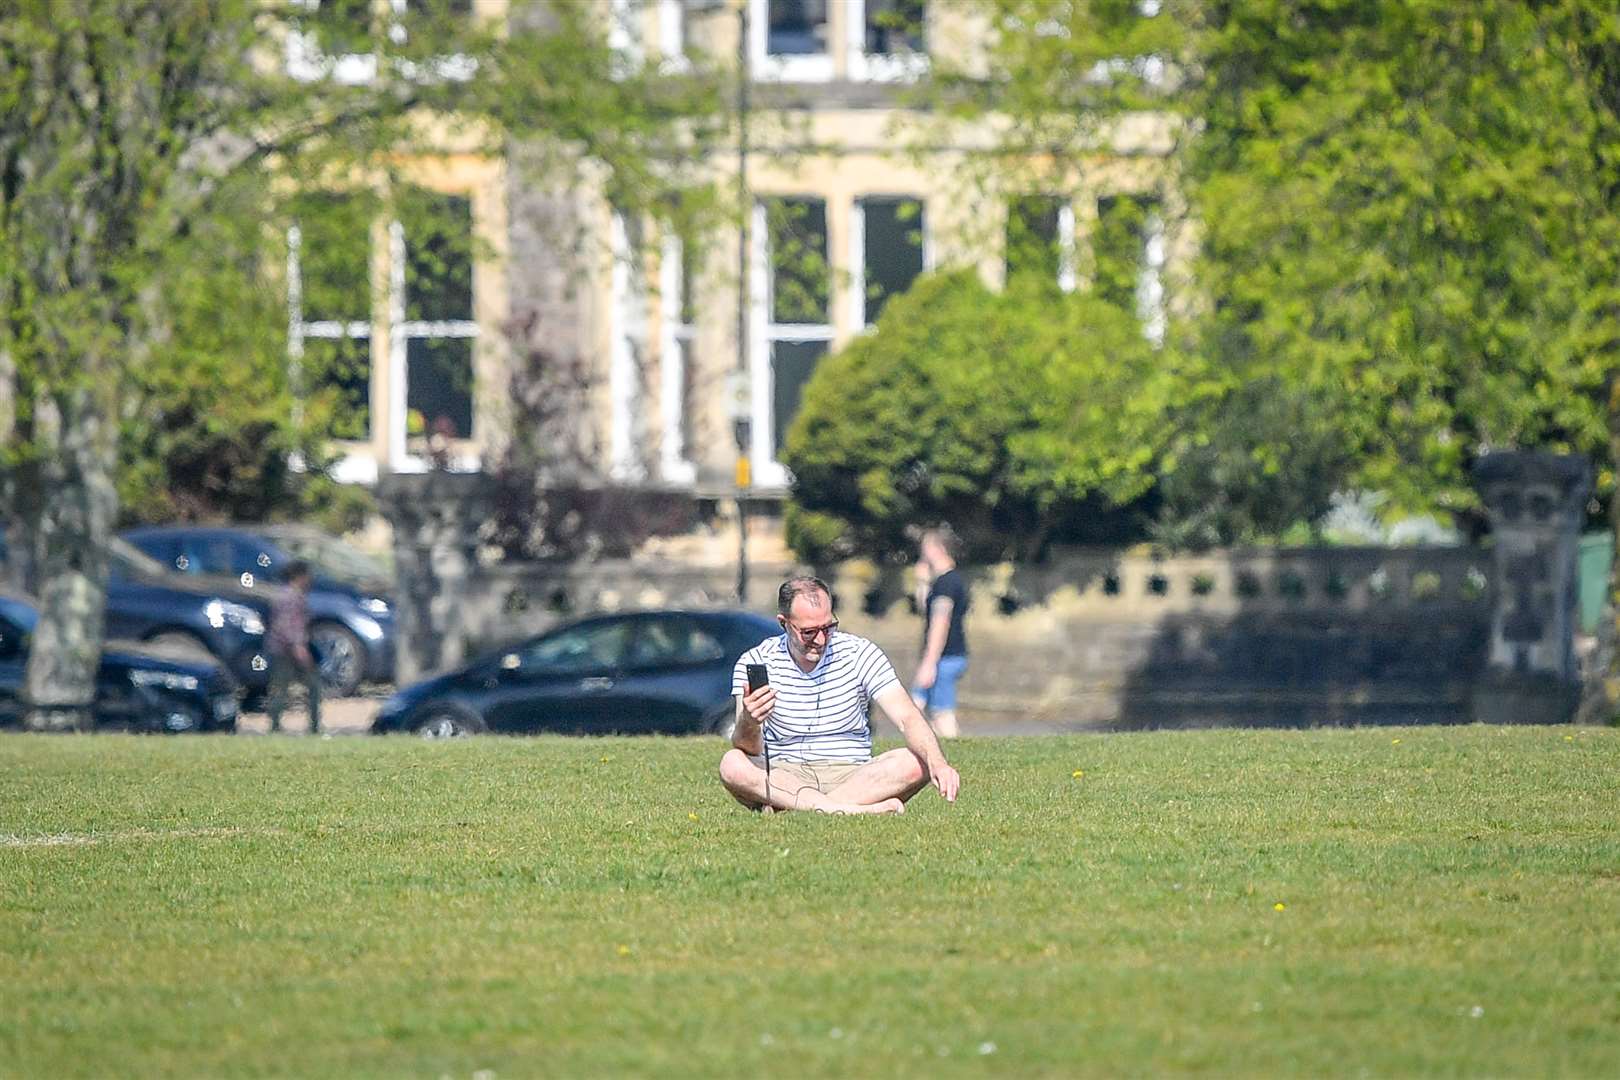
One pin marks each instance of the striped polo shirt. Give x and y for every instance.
(822, 715)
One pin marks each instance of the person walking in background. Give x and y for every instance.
(290, 657)
(944, 603)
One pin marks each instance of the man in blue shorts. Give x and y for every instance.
(944, 653)
(804, 740)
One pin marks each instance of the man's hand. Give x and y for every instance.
(947, 779)
(760, 704)
(927, 672)
(306, 659)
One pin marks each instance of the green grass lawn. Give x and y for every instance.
(1383, 901)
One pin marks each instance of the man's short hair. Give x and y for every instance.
(945, 536)
(795, 587)
(296, 569)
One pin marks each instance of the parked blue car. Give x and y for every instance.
(205, 614)
(137, 688)
(147, 603)
(632, 673)
(350, 604)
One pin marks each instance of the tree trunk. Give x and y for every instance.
(70, 556)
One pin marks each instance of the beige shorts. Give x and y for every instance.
(821, 775)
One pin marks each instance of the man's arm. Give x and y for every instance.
(939, 628)
(748, 735)
(924, 580)
(897, 705)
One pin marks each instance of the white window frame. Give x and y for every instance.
(350, 468)
(624, 383)
(768, 67)
(624, 37)
(1068, 278)
(400, 334)
(1150, 310)
(363, 468)
(678, 340)
(768, 471)
(306, 62)
(857, 253)
(878, 67)
(672, 41)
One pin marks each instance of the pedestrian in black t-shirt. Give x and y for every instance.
(944, 651)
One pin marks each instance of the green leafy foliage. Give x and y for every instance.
(1019, 417)
(176, 130)
(1405, 213)
(1405, 220)
(205, 429)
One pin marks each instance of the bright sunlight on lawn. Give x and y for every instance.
(1435, 900)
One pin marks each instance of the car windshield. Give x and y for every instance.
(130, 561)
(331, 556)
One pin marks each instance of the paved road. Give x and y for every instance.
(339, 716)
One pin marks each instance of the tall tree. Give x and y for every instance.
(1406, 223)
(1405, 220)
(128, 128)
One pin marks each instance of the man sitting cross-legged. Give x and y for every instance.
(804, 742)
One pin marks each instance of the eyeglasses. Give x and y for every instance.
(811, 633)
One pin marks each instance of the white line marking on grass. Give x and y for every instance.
(10, 840)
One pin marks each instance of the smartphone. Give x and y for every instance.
(758, 675)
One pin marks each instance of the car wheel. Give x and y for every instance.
(342, 658)
(721, 722)
(180, 720)
(179, 641)
(446, 721)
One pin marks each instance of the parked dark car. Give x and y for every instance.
(633, 673)
(137, 688)
(350, 606)
(147, 603)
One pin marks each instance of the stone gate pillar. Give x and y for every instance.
(436, 517)
(1536, 504)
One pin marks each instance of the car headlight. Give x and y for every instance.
(168, 680)
(374, 605)
(223, 612)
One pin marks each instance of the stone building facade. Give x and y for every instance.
(634, 339)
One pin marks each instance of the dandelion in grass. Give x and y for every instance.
(1394, 742)
(692, 817)
(1078, 773)
(624, 950)
(1279, 906)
